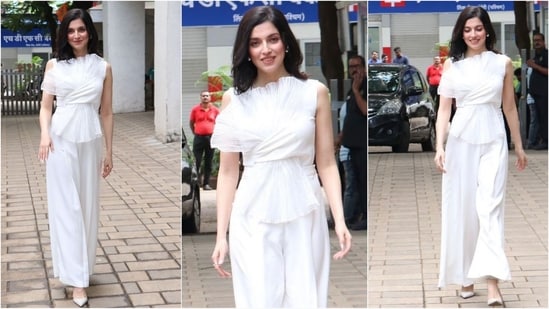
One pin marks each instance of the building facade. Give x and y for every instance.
(133, 40)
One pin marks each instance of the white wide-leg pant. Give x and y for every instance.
(473, 198)
(280, 265)
(72, 176)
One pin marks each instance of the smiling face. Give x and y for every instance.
(474, 34)
(267, 51)
(78, 37)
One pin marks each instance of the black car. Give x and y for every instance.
(400, 108)
(190, 190)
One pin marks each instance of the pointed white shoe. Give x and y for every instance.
(466, 294)
(80, 301)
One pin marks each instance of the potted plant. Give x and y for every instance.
(443, 50)
(217, 81)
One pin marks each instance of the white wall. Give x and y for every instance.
(167, 74)
(124, 45)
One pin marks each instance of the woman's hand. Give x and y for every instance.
(344, 241)
(218, 257)
(107, 166)
(522, 161)
(45, 147)
(440, 160)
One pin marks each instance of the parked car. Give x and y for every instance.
(190, 190)
(400, 108)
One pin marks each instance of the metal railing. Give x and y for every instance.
(21, 92)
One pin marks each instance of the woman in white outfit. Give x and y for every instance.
(474, 164)
(281, 122)
(71, 145)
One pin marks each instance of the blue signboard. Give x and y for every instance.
(226, 13)
(221, 13)
(404, 6)
(33, 38)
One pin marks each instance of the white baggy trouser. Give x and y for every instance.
(73, 174)
(280, 265)
(473, 198)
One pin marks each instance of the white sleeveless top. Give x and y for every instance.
(274, 128)
(477, 85)
(78, 85)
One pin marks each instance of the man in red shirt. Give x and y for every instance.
(202, 124)
(434, 72)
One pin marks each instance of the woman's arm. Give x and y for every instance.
(227, 180)
(510, 110)
(327, 168)
(107, 120)
(46, 108)
(443, 117)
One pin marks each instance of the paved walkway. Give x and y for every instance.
(139, 252)
(404, 233)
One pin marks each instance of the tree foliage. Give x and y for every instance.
(27, 15)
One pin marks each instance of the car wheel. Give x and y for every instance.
(192, 223)
(404, 141)
(431, 143)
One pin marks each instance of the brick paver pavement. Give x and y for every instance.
(404, 233)
(203, 288)
(139, 252)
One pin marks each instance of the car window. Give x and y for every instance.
(380, 81)
(417, 80)
(407, 80)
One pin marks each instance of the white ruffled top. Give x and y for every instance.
(78, 86)
(477, 85)
(274, 128)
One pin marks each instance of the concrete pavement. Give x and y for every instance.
(404, 233)
(139, 252)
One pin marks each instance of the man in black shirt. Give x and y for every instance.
(354, 132)
(538, 86)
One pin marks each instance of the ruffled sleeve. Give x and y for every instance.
(231, 134)
(446, 86)
(48, 84)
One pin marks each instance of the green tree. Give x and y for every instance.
(522, 35)
(27, 15)
(330, 53)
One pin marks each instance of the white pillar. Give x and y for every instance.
(167, 70)
(124, 48)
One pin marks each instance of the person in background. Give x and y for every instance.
(434, 72)
(475, 161)
(280, 120)
(71, 144)
(350, 203)
(538, 86)
(533, 128)
(399, 57)
(384, 58)
(373, 58)
(202, 121)
(354, 131)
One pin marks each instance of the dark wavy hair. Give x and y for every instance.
(245, 72)
(458, 45)
(64, 50)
